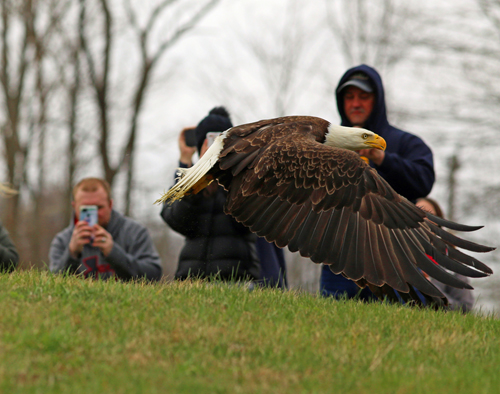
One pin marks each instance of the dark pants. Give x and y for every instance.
(272, 264)
(337, 286)
(332, 285)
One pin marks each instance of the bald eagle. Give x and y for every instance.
(297, 181)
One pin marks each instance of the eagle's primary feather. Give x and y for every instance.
(297, 182)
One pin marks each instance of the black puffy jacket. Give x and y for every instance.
(215, 243)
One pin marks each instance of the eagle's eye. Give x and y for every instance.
(364, 136)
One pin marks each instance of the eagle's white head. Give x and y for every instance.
(353, 138)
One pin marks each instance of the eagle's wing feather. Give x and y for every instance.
(326, 203)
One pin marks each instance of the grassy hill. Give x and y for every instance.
(68, 335)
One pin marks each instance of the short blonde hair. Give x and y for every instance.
(92, 185)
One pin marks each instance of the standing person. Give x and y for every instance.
(459, 299)
(407, 163)
(216, 246)
(116, 246)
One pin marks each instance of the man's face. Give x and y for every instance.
(99, 198)
(358, 105)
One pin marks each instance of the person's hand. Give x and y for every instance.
(375, 155)
(204, 147)
(187, 152)
(82, 234)
(102, 240)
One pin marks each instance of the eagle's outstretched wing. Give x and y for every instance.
(286, 185)
(326, 203)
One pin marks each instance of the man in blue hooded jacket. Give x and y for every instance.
(406, 163)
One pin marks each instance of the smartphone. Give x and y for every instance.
(89, 214)
(211, 136)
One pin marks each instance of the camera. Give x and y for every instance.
(190, 136)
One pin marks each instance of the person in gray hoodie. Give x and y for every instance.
(116, 246)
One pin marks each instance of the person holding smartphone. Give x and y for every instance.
(102, 243)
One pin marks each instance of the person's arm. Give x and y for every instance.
(141, 260)
(59, 255)
(8, 253)
(410, 171)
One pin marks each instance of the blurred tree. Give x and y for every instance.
(384, 34)
(464, 49)
(73, 78)
(374, 33)
(271, 63)
(453, 167)
(27, 33)
(147, 35)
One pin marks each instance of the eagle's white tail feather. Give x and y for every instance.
(188, 177)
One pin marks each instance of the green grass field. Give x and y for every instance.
(67, 335)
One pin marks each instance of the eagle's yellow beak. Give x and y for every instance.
(376, 141)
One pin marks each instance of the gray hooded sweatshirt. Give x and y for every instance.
(133, 255)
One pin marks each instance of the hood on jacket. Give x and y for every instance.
(377, 121)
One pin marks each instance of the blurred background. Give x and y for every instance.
(103, 88)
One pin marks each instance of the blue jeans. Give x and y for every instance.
(272, 264)
(332, 285)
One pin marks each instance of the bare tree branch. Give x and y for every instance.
(148, 62)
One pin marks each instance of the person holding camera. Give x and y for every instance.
(216, 245)
(102, 243)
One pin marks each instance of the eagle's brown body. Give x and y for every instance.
(286, 185)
